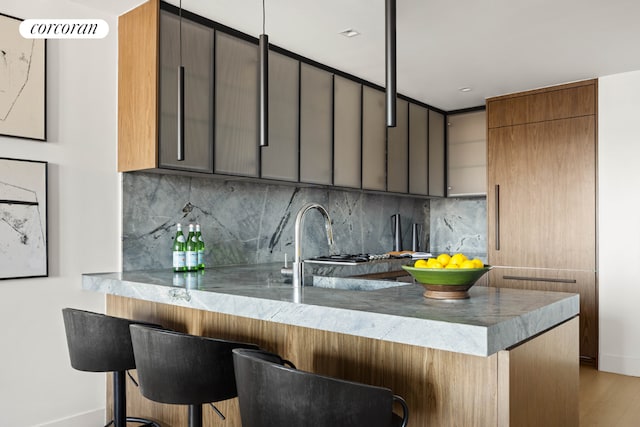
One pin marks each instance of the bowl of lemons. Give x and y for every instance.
(447, 276)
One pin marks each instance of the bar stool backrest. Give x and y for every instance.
(273, 395)
(99, 342)
(179, 368)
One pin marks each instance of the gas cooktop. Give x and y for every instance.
(351, 259)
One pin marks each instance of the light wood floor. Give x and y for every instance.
(608, 400)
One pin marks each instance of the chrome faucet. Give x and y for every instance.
(297, 262)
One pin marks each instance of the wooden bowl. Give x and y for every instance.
(444, 283)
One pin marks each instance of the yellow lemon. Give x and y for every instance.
(450, 265)
(437, 264)
(421, 263)
(444, 259)
(478, 263)
(458, 259)
(430, 262)
(468, 264)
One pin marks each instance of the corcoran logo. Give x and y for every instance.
(64, 28)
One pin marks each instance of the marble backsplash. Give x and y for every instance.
(246, 222)
(459, 225)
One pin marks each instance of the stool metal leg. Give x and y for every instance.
(119, 399)
(195, 415)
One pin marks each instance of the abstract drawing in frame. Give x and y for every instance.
(22, 82)
(23, 219)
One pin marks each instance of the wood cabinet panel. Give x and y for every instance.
(558, 102)
(236, 123)
(467, 154)
(138, 88)
(578, 282)
(398, 150)
(316, 125)
(418, 150)
(373, 140)
(437, 151)
(441, 388)
(197, 58)
(347, 133)
(524, 390)
(541, 202)
(280, 159)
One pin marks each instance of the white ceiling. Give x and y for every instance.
(492, 46)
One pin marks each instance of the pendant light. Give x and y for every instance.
(180, 93)
(263, 46)
(390, 61)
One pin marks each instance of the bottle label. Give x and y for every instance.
(180, 238)
(192, 259)
(179, 259)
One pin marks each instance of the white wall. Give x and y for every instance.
(37, 385)
(619, 223)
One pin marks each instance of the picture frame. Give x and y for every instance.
(23, 219)
(23, 80)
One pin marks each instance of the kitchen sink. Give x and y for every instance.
(364, 282)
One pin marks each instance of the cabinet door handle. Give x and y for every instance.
(497, 226)
(181, 114)
(539, 279)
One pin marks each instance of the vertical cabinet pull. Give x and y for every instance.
(497, 217)
(181, 114)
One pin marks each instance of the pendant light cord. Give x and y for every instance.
(263, 17)
(180, 32)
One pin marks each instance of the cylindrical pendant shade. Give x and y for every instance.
(264, 90)
(390, 61)
(180, 114)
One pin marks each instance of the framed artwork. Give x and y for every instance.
(23, 219)
(22, 82)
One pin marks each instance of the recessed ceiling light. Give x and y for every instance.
(349, 32)
(465, 89)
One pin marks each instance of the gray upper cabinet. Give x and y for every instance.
(316, 125)
(436, 154)
(280, 159)
(236, 114)
(398, 150)
(374, 132)
(197, 58)
(418, 150)
(347, 131)
(467, 154)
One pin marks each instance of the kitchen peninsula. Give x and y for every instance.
(504, 357)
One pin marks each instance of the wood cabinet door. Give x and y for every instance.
(374, 145)
(316, 125)
(578, 282)
(398, 150)
(280, 159)
(541, 198)
(347, 133)
(467, 154)
(197, 59)
(436, 154)
(236, 119)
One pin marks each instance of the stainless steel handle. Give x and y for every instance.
(497, 226)
(180, 114)
(539, 279)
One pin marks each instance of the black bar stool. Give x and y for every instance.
(102, 343)
(273, 395)
(183, 369)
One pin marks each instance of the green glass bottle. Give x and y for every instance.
(179, 256)
(191, 250)
(200, 247)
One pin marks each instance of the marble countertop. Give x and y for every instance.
(491, 320)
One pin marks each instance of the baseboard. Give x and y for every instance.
(88, 419)
(619, 365)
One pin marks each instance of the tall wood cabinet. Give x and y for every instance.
(541, 198)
